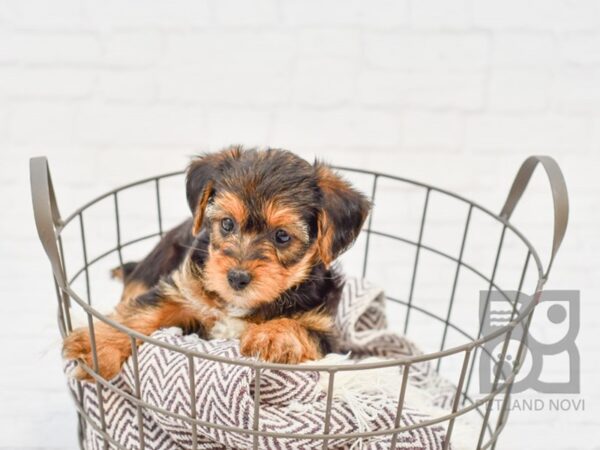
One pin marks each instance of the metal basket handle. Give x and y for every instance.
(45, 211)
(560, 197)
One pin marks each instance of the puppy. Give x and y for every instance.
(253, 263)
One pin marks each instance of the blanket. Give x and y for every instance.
(291, 401)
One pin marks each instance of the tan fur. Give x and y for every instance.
(133, 289)
(231, 206)
(278, 216)
(325, 239)
(328, 182)
(117, 273)
(315, 320)
(279, 340)
(269, 278)
(114, 347)
(202, 202)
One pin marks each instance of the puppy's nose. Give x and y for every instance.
(238, 279)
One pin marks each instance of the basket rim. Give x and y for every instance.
(330, 368)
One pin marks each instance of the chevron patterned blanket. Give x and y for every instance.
(292, 402)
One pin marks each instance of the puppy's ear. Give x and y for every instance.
(343, 212)
(200, 180)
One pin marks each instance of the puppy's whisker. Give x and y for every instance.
(317, 278)
(191, 247)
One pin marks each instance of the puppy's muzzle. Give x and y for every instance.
(238, 279)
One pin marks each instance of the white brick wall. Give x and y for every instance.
(452, 92)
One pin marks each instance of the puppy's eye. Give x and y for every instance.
(282, 237)
(227, 225)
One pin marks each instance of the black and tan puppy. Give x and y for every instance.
(253, 263)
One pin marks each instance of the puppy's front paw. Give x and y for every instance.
(279, 341)
(112, 350)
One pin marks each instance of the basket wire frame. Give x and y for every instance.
(50, 228)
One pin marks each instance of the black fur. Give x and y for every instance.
(322, 289)
(346, 211)
(152, 298)
(165, 257)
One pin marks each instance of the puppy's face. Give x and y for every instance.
(255, 255)
(270, 217)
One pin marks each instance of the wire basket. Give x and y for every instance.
(404, 247)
